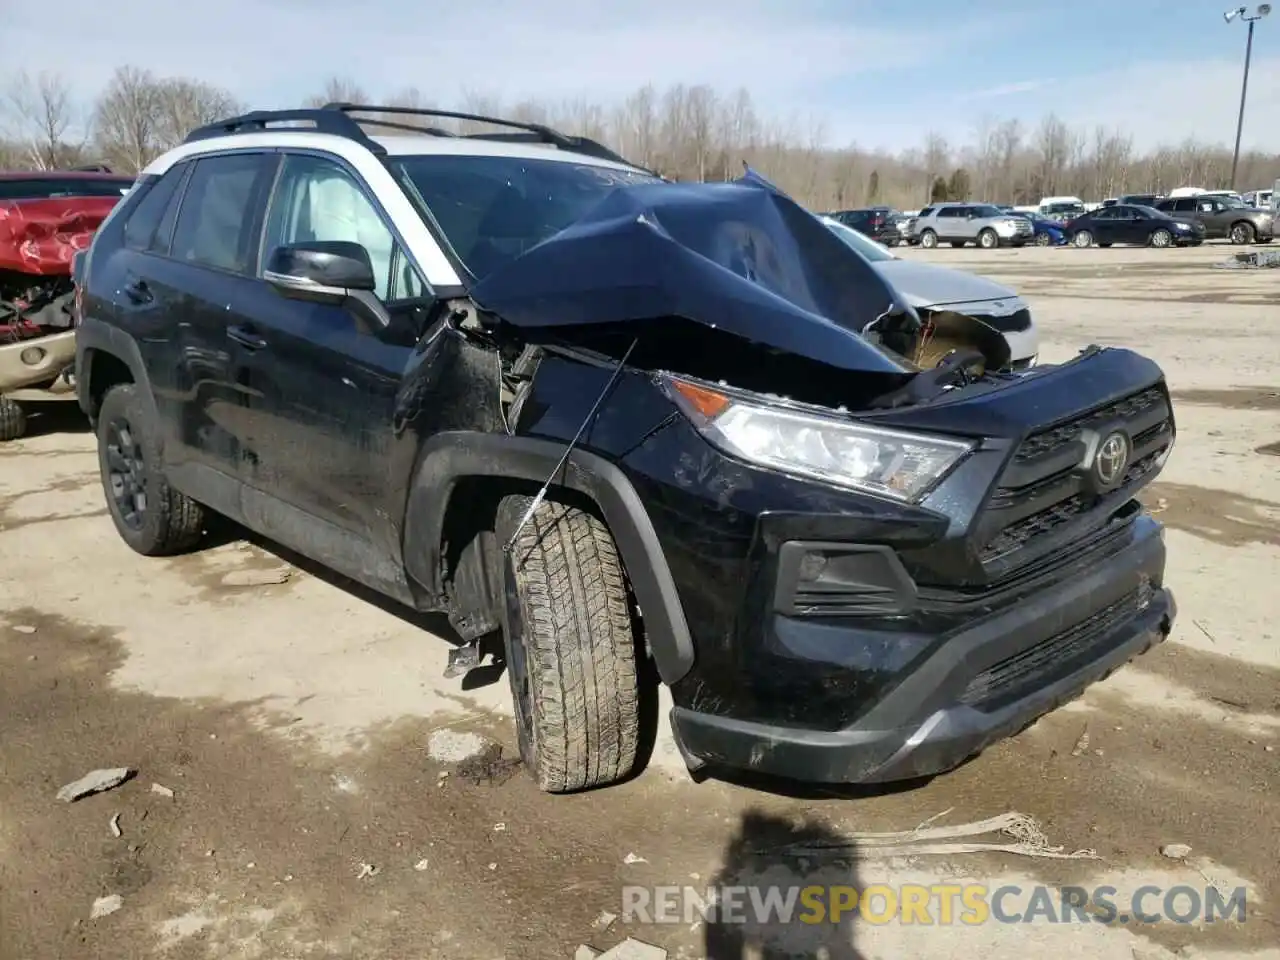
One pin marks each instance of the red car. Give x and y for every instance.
(46, 217)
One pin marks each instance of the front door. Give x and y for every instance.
(324, 382)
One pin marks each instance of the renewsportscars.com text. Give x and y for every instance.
(934, 904)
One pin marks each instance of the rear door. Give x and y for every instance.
(323, 386)
(1215, 215)
(211, 262)
(950, 225)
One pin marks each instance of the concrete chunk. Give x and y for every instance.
(95, 782)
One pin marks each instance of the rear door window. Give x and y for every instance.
(142, 231)
(219, 207)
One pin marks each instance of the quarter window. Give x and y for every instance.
(156, 210)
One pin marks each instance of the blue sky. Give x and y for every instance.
(876, 72)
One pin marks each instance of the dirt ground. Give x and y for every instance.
(335, 796)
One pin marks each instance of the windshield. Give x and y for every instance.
(493, 209)
(863, 245)
(1234, 204)
(1064, 208)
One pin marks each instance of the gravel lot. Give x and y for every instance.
(305, 728)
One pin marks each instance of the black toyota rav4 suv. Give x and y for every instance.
(621, 431)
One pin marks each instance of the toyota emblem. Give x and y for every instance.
(1112, 459)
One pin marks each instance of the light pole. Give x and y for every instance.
(1242, 13)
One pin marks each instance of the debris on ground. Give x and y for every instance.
(95, 782)
(422, 865)
(367, 870)
(499, 827)
(488, 766)
(115, 827)
(162, 790)
(604, 921)
(105, 906)
(24, 628)
(257, 578)
(454, 746)
(1082, 745)
(1175, 851)
(585, 953)
(633, 949)
(634, 858)
(1025, 838)
(1251, 261)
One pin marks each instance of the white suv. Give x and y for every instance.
(959, 223)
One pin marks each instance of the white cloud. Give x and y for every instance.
(1007, 89)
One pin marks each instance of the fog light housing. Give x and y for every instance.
(32, 355)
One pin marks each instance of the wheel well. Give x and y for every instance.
(1242, 223)
(105, 371)
(467, 545)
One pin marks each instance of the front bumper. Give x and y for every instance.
(978, 685)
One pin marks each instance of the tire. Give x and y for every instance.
(1082, 239)
(151, 517)
(929, 240)
(13, 420)
(1042, 240)
(571, 649)
(1243, 232)
(988, 240)
(1161, 238)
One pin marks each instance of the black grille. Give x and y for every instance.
(1008, 323)
(1043, 489)
(1040, 443)
(1059, 655)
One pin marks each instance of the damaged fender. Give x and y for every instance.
(451, 458)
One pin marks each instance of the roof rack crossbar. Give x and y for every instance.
(544, 132)
(324, 119)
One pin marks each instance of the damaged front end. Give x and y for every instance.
(38, 241)
(742, 285)
(888, 552)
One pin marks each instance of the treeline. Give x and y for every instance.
(685, 132)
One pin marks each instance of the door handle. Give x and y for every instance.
(246, 338)
(138, 292)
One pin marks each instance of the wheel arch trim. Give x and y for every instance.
(449, 458)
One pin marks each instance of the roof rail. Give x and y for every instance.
(324, 119)
(525, 132)
(336, 119)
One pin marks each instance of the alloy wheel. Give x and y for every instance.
(126, 473)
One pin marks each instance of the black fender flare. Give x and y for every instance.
(449, 458)
(94, 337)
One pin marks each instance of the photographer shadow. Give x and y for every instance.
(771, 854)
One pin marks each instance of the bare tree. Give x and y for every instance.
(182, 105)
(43, 111)
(686, 132)
(126, 118)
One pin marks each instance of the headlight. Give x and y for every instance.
(803, 442)
(1182, 226)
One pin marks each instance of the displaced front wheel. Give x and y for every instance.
(150, 516)
(13, 420)
(571, 652)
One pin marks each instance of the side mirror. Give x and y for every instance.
(328, 271)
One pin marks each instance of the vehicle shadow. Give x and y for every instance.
(46, 417)
(798, 790)
(775, 857)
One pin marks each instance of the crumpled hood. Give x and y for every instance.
(741, 257)
(927, 285)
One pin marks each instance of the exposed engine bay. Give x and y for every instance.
(732, 283)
